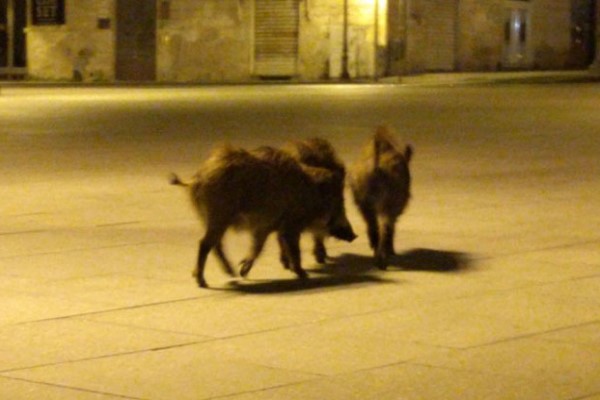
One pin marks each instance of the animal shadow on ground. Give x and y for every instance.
(337, 273)
(427, 260)
(295, 285)
(353, 269)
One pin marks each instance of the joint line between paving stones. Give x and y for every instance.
(74, 361)
(115, 224)
(76, 250)
(149, 329)
(129, 353)
(529, 335)
(542, 249)
(226, 396)
(62, 317)
(526, 287)
(78, 389)
(27, 232)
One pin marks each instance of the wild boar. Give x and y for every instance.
(318, 152)
(380, 183)
(262, 191)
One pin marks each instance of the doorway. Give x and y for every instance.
(13, 54)
(516, 37)
(136, 40)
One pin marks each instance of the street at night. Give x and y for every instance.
(493, 293)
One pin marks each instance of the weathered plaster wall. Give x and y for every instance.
(212, 40)
(315, 39)
(54, 52)
(321, 38)
(480, 35)
(206, 40)
(551, 35)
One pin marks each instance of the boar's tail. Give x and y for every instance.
(174, 180)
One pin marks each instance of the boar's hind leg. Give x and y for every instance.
(223, 259)
(211, 238)
(388, 238)
(370, 217)
(283, 252)
(386, 244)
(319, 250)
(258, 241)
(290, 242)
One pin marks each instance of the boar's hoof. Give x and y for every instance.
(246, 266)
(285, 262)
(199, 279)
(321, 256)
(301, 274)
(201, 282)
(381, 263)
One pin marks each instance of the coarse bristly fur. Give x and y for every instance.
(380, 183)
(263, 191)
(319, 152)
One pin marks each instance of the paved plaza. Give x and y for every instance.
(494, 293)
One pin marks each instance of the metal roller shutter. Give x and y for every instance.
(276, 38)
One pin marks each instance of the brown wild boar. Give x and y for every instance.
(262, 191)
(318, 152)
(380, 183)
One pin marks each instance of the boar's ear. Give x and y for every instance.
(408, 153)
(327, 181)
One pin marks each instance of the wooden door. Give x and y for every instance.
(136, 40)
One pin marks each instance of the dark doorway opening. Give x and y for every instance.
(13, 51)
(136, 40)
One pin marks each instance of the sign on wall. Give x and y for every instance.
(48, 12)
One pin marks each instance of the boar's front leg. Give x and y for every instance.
(319, 251)
(290, 242)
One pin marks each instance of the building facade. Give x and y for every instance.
(306, 40)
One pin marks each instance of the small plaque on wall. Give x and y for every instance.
(103, 23)
(48, 12)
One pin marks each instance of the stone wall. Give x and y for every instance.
(212, 40)
(595, 67)
(551, 35)
(205, 41)
(481, 38)
(315, 39)
(480, 35)
(395, 51)
(56, 52)
(321, 37)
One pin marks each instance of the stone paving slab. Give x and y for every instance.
(493, 293)
(185, 373)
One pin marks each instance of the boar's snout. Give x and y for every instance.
(342, 231)
(345, 234)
